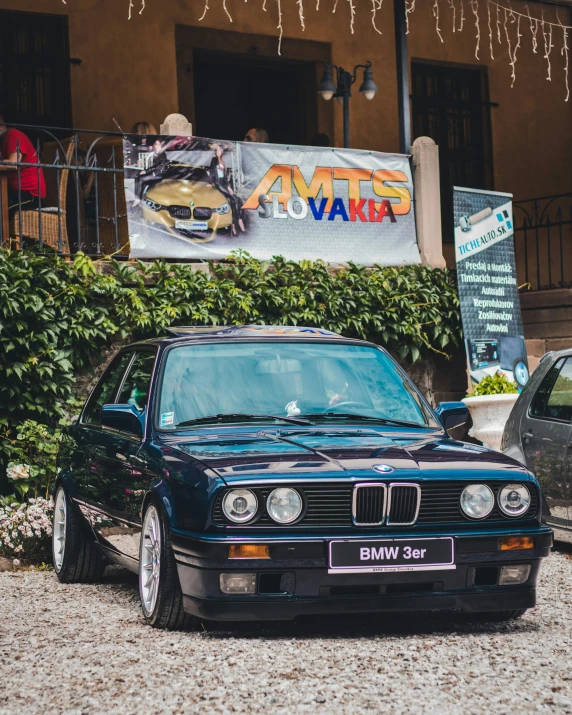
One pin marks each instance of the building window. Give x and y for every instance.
(451, 105)
(34, 68)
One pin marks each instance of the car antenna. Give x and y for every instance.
(117, 125)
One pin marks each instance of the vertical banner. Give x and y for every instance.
(488, 287)
(192, 197)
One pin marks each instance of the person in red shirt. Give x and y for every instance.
(27, 186)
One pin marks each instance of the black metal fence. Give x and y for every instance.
(543, 242)
(84, 205)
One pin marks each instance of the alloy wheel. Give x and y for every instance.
(150, 566)
(59, 529)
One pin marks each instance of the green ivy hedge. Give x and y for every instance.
(55, 316)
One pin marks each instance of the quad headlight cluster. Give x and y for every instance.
(284, 505)
(153, 205)
(478, 500)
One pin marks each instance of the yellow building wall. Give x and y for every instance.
(128, 71)
(532, 126)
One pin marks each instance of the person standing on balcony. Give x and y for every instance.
(257, 135)
(143, 128)
(26, 185)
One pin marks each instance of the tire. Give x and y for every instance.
(498, 616)
(159, 586)
(76, 559)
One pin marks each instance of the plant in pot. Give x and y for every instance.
(490, 405)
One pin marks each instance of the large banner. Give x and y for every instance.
(488, 287)
(190, 197)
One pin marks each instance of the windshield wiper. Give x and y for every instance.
(239, 417)
(351, 415)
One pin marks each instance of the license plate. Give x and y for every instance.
(392, 555)
(192, 225)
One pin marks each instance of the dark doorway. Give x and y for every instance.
(230, 81)
(450, 104)
(34, 68)
(234, 93)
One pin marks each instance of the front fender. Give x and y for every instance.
(515, 452)
(160, 491)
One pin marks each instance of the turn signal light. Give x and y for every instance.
(515, 543)
(248, 551)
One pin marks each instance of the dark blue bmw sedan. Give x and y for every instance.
(255, 472)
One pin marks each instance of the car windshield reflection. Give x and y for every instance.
(286, 380)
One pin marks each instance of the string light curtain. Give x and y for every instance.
(504, 24)
(497, 18)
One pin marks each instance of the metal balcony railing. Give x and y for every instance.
(543, 242)
(84, 208)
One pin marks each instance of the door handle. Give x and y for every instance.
(527, 436)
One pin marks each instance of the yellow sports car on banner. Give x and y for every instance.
(189, 207)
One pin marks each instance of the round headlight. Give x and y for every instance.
(477, 501)
(240, 505)
(514, 499)
(284, 505)
(153, 205)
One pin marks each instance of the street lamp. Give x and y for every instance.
(342, 92)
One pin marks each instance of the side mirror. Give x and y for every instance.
(124, 418)
(452, 414)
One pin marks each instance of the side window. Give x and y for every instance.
(135, 389)
(553, 398)
(106, 388)
(559, 405)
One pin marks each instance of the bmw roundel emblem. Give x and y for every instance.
(383, 468)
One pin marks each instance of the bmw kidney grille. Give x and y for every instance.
(202, 213)
(183, 212)
(396, 505)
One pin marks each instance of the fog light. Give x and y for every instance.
(249, 551)
(512, 575)
(515, 543)
(238, 582)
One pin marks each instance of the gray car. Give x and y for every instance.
(539, 434)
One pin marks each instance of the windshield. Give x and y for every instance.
(198, 175)
(329, 381)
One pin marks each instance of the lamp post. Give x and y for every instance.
(342, 92)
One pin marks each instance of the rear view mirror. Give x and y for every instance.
(278, 367)
(124, 418)
(452, 414)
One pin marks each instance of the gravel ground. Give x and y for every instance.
(85, 649)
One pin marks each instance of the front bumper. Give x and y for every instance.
(295, 580)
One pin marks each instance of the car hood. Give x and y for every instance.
(343, 454)
(173, 192)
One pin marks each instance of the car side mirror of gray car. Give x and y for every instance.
(452, 414)
(124, 418)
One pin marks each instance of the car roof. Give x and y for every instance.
(246, 331)
(554, 355)
(192, 333)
